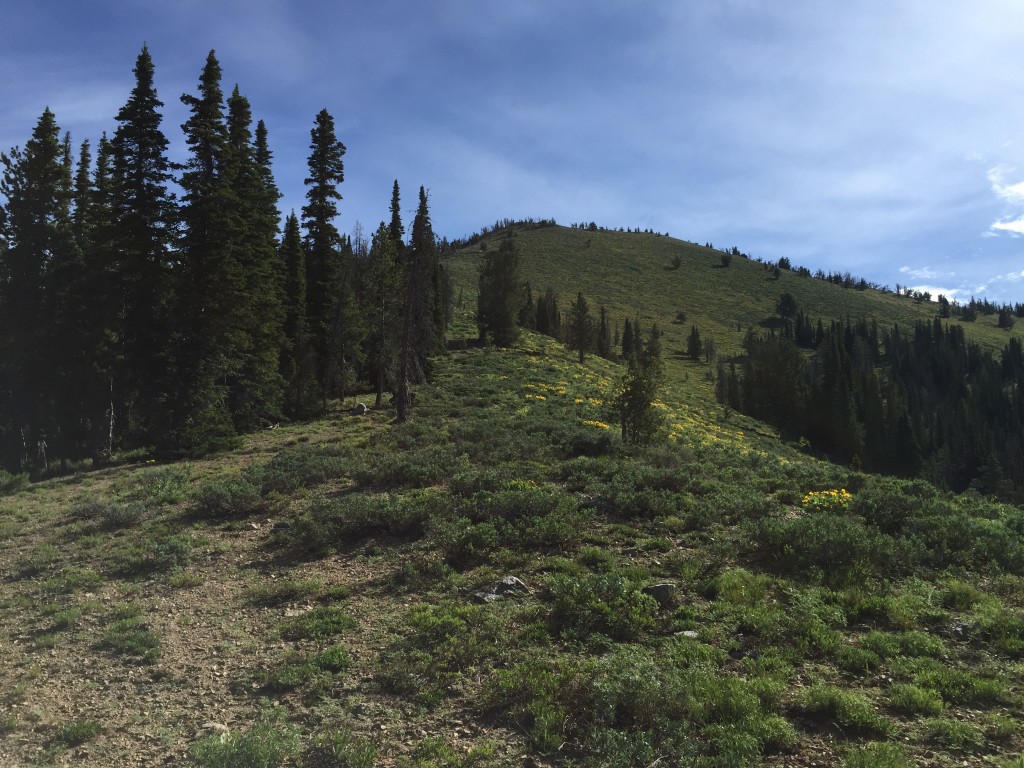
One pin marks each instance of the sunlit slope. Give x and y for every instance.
(632, 275)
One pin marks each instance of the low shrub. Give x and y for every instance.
(317, 624)
(304, 466)
(914, 700)
(608, 604)
(265, 745)
(952, 734)
(108, 515)
(228, 497)
(12, 483)
(849, 710)
(333, 522)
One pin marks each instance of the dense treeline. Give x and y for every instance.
(144, 305)
(921, 403)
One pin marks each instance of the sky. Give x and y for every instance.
(876, 137)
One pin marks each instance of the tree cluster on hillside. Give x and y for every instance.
(132, 315)
(926, 403)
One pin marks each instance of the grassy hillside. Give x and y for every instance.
(632, 275)
(333, 594)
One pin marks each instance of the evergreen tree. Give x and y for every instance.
(549, 321)
(581, 326)
(638, 390)
(323, 242)
(419, 332)
(500, 295)
(298, 361)
(396, 230)
(383, 305)
(528, 311)
(140, 296)
(39, 242)
(257, 387)
(627, 340)
(211, 302)
(693, 344)
(604, 339)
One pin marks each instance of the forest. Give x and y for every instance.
(148, 305)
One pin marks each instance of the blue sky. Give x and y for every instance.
(882, 138)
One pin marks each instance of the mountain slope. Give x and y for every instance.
(320, 596)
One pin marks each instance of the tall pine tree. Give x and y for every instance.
(140, 307)
(212, 338)
(323, 242)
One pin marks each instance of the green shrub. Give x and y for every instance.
(108, 515)
(738, 586)
(42, 557)
(76, 732)
(856, 661)
(849, 710)
(264, 745)
(332, 522)
(914, 700)
(72, 579)
(163, 485)
(342, 748)
(304, 466)
(159, 555)
(317, 624)
(10, 483)
(131, 637)
(294, 670)
(228, 497)
(878, 754)
(838, 549)
(462, 542)
(418, 468)
(960, 596)
(607, 603)
(960, 687)
(334, 658)
(952, 734)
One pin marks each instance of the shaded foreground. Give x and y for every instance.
(319, 597)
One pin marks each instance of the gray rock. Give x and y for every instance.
(509, 585)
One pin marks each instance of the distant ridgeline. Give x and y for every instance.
(923, 402)
(132, 318)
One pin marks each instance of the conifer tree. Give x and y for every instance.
(500, 295)
(627, 340)
(581, 326)
(694, 346)
(383, 284)
(417, 315)
(298, 361)
(211, 303)
(528, 312)
(140, 280)
(39, 242)
(257, 387)
(604, 339)
(395, 229)
(322, 241)
(638, 390)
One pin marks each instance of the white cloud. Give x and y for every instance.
(1013, 226)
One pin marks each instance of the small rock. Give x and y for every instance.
(509, 585)
(690, 633)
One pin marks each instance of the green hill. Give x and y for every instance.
(332, 593)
